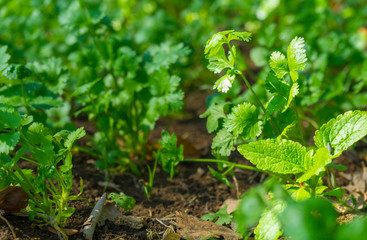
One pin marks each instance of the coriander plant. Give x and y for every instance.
(49, 185)
(123, 87)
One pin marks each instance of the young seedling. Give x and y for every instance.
(168, 155)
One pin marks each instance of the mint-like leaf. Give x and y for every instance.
(275, 155)
(317, 164)
(269, 226)
(341, 132)
(244, 120)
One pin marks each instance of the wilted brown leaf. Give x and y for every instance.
(191, 227)
(13, 199)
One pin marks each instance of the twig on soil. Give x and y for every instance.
(236, 186)
(8, 223)
(90, 225)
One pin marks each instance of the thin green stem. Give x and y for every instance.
(228, 170)
(250, 168)
(25, 101)
(311, 121)
(275, 129)
(24, 186)
(29, 185)
(299, 123)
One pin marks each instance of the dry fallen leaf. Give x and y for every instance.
(232, 205)
(13, 199)
(191, 227)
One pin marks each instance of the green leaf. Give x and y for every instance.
(241, 36)
(223, 143)
(336, 192)
(73, 136)
(16, 72)
(122, 200)
(252, 205)
(4, 57)
(310, 219)
(292, 94)
(165, 55)
(214, 113)
(317, 164)
(278, 63)
(277, 86)
(341, 132)
(275, 155)
(275, 103)
(244, 120)
(9, 117)
(214, 44)
(298, 193)
(225, 82)
(296, 55)
(222, 216)
(8, 141)
(269, 227)
(168, 154)
(219, 62)
(41, 143)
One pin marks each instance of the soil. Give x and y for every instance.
(193, 190)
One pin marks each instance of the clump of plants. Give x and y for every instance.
(49, 184)
(123, 88)
(270, 135)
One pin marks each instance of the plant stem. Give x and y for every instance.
(275, 129)
(228, 170)
(29, 185)
(299, 122)
(250, 168)
(25, 102)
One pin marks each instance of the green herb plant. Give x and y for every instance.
(123, 87)
(28, 90)
(270, 134)
(168, 155)
(49, 184)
